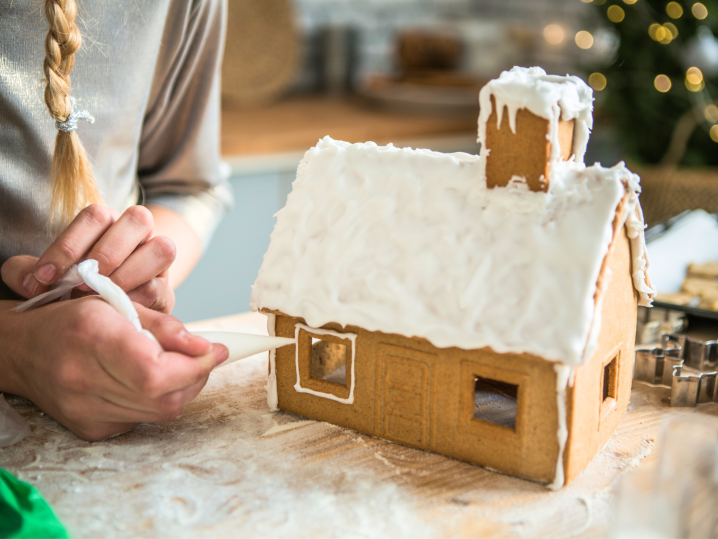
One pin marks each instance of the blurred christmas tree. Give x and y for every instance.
(659, 79)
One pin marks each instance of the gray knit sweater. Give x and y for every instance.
(149, 72)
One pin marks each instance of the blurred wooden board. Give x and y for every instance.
(296, 124)
(231, 468)
(262, 49)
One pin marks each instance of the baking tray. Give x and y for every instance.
(693, 311)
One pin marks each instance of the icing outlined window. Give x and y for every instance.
(325, 363)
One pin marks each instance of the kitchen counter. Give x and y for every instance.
(274, 138)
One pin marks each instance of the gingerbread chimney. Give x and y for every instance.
(524, 114)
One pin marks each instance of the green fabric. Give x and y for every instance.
(23, 512)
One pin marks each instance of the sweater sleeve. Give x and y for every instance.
(179, 160)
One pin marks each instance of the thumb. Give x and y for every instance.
(17, 273)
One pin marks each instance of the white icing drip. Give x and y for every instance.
(349, 336)
(272, 397)
(563, 375)
(548, 96)
(409, 242)
(633, 220)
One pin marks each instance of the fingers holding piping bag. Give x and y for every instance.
(73, 243)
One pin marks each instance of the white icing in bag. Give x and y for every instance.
(242, 345)
(111, 293)
(88, 272)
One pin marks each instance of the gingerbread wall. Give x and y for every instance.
(592, 420)
(408, 391)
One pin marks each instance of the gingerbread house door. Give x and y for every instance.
(405, 382)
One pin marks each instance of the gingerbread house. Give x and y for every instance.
(481, 307)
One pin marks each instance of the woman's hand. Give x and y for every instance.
(123, 246)
(89, 368)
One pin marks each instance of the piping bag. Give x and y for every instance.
(240, 345)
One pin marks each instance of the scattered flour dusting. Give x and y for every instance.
(215, 473)
(288, 426)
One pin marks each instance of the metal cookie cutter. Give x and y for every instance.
(688, 366)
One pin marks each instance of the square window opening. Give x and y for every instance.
(495, 401)
(329, 361)
(610, 380)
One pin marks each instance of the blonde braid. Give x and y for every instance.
(73, 186)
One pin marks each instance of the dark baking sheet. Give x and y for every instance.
(693, 311)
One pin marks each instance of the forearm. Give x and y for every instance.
(189, 248)
(11, 343)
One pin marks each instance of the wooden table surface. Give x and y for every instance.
(230, 467)
(296, 124)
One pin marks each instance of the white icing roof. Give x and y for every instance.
(412, 242)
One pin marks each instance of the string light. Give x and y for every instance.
(554, 34)
(711, 113)
(597, 81)
(584, 39)
(616, 14)
(714, 133)
(674, 10)
(699, 11)
(662, 83)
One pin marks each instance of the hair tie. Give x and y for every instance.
(69, 125)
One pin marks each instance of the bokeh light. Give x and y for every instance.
(711, 113)
(554, 34)
(694, 75)
(597, 81)
(694, 79)
(694, 87)
(674, 10)
(584, 39)
(629, 2)
(662, 83)
(663, 33)
(616, 14)
(672, 28)
(714, 133)
(699, 11)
